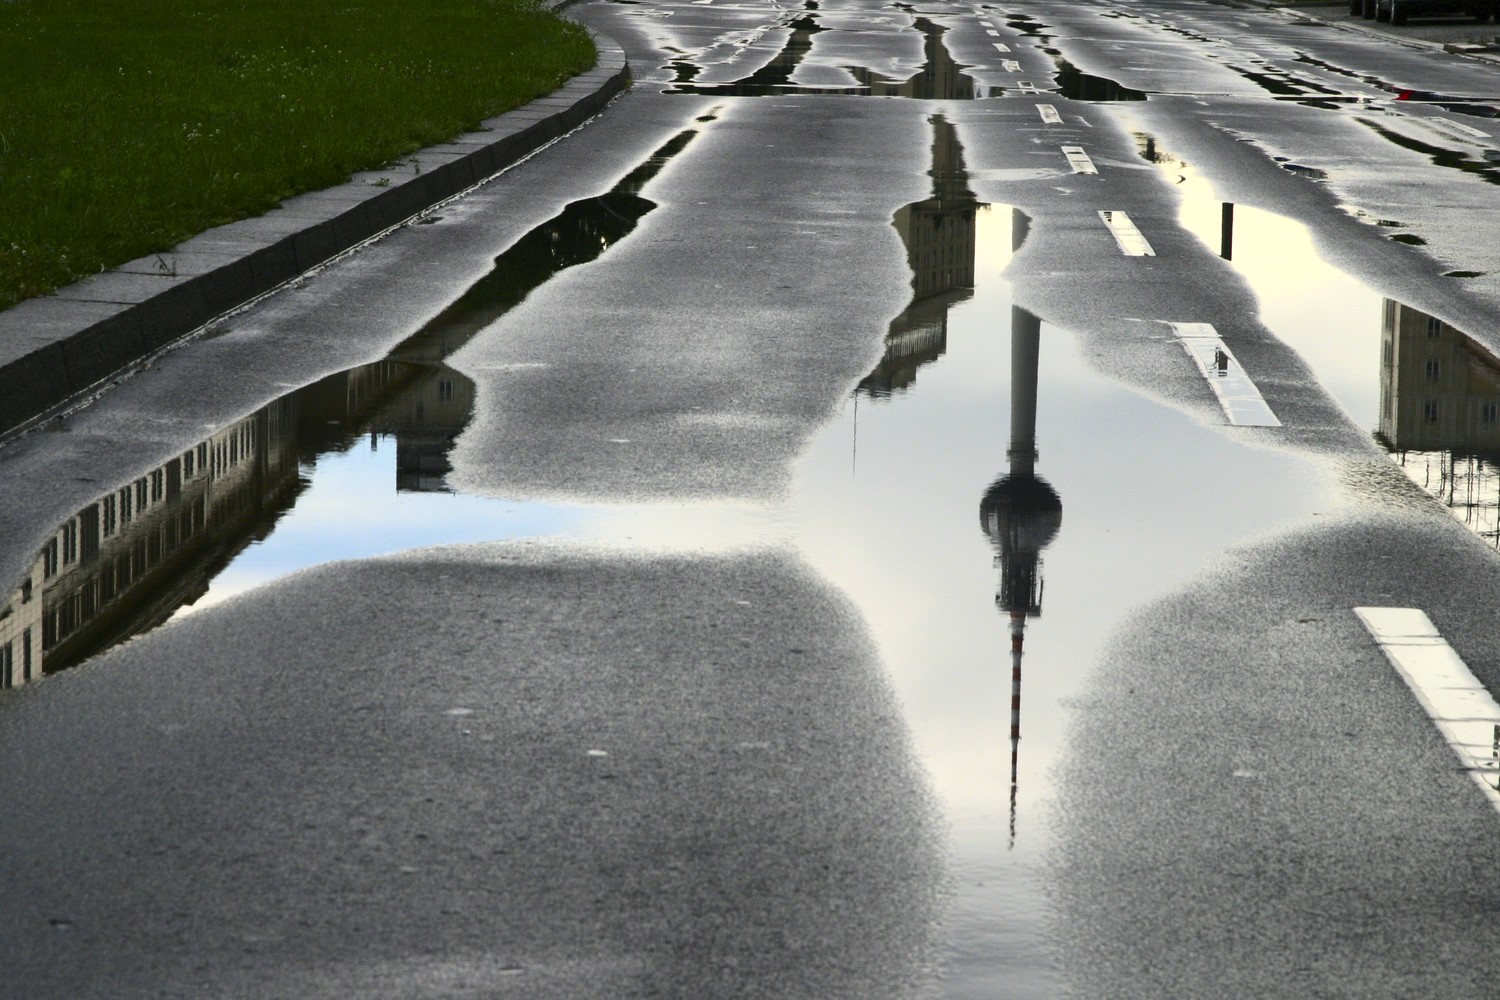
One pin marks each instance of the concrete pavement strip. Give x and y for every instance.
(55, 348)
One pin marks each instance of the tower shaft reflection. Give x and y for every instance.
(1021, 513)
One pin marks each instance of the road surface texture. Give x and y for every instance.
(620, 581)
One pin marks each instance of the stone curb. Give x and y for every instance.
(57, 347)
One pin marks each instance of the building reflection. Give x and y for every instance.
(938, 233)
(1021, 514)
(940, 79)
(1440, 413)
(127, 561)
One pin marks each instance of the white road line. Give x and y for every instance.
(1132, 242)
(992, 32)
(1001, 46)
(1079, 160)
(1010, 66)
(1027, 87)
(1049, 114)
(1238, 397)
(1469, 129)
(1463, 711)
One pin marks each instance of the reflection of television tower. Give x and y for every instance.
(1020, 513)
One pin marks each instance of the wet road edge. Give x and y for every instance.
(56, 348)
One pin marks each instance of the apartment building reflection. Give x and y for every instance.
(1440, 413)
(127, 561)
(939, 235)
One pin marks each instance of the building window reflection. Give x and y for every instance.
(1430, 410)
(70, 543)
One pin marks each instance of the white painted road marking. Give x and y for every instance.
(1001, 46)
(1453, 128)
(992, 32)
(1010, 66)
(1049, 114)
(1132, 242)
(1238, 397)
(1461, 708)
(1079, 160)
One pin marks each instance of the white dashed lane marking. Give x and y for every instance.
(1049, 114)
(1132, 242)
(1238, 397)
(1461, 708)
(1079, 160)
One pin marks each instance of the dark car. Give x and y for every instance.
(1397, 11)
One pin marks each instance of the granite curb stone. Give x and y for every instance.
(56, 347)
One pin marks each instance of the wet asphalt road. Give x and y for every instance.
(632, 768)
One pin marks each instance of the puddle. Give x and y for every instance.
(1284, 84)
(1470, 163)
(1080, 86)
(1326, 316)
(976, 516)
(1028, 26)
(1429, 393)
(941, 77)
(128, 561)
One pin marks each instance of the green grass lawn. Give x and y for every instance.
(125, 128)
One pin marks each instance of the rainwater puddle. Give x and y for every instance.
(982, 500)
(1428, 392)
(352, 465)
(940, 78)
(1080, 86)
(1475, 162)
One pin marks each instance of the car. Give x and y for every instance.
(1397, 11)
